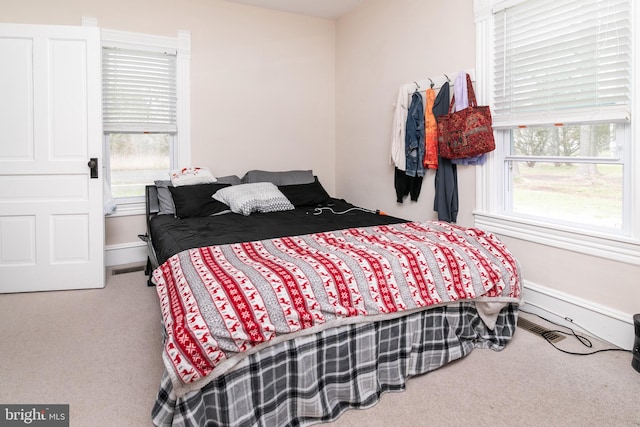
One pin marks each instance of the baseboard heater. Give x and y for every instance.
(540, 330)
(125, 270)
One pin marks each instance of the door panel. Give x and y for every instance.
(16, 123)
(51, 218)
(68, 123)
(17, 240)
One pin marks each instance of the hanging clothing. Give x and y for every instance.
(430, 132)
(414, 137)
(460, 92)
(406, 185)
(462, 101)
(408, 180)
(446, 182)
(446, 198)
(399, 127)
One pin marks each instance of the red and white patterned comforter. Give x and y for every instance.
(221, 303)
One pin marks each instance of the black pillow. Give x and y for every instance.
(312, 194)
(195, 200)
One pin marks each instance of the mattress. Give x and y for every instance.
(171, 235)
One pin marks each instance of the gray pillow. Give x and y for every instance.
(291, 177)
(260, 197)
(229, 179)
(165, 200)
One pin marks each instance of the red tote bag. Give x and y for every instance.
(465, 133)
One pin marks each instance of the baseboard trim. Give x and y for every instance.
(126, 253)
(597, 320)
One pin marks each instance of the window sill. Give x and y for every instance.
(616, 248)
(128, 209)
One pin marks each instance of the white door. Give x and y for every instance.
(51, 217)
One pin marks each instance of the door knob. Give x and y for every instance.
(93, 165)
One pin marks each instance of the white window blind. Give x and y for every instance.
(139, 91)
(570, 63)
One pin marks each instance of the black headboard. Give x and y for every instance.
(151, 199)
(152, 207)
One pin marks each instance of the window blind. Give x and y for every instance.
(139, 91)
(562, 62)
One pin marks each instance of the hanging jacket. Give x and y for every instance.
(430, 132)
(399, 127)
(446, 182)
(408, 181)
(414, 137)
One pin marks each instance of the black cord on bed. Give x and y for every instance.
(320, 211)
(583, 340)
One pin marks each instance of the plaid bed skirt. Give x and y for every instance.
(313, 379)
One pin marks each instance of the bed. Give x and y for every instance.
(344, 303)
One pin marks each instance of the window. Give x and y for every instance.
(145, 124)
(135, 160)
(558, 77)
(572, 175)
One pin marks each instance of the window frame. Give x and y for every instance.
(491, 178)
(180, 151)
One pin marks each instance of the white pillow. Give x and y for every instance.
(191, 176)
(256, 197)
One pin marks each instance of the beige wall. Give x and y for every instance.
(610, 284)
(380, 46)
(384, 44)
(262, 82)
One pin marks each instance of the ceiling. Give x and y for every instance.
(329, 9)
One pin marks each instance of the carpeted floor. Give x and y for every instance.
(99, 352)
